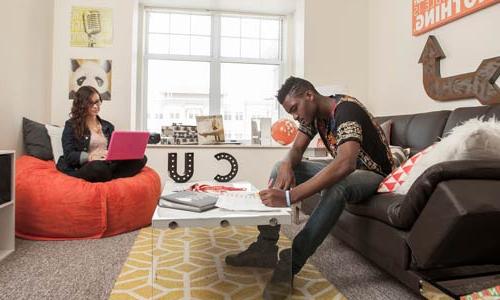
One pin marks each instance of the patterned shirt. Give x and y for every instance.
(351, 121)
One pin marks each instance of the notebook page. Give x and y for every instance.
(243, 201)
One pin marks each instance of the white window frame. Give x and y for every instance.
(214, 59)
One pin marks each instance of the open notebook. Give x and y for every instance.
(243, 201)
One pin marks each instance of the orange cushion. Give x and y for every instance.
(51, 205)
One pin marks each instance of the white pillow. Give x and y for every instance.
(55, 134)
(474, 139)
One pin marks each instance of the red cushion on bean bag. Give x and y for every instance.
(51, 205)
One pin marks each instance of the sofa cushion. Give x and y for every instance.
(416, 131)
(399, 154)
(463, 114)
(376, 207)
(381, 243)
(386, 128)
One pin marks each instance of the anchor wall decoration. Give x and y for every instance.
(479, 84)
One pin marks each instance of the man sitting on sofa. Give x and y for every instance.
(361, 160)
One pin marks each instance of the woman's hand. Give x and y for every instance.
(98, 155)
(285, 179)
(273, 197)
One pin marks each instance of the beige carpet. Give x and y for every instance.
(188, 263)
(62, 270)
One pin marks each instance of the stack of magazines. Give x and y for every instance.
(188, 200)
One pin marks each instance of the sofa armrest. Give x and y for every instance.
(458, 226)
(403, 214)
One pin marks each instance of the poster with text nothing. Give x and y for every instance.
(430, 14)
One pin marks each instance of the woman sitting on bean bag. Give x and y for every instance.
(53, 206)
(85, 142)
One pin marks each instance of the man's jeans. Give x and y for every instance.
(356, 187)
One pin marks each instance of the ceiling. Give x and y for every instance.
(281, 7)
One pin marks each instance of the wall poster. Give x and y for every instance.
(91, 27)
(93, 72)
(430, 14)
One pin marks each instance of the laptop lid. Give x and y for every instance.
(125, 145)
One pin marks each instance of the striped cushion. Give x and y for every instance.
(399, 155)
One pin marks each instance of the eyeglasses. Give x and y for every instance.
(98, 103)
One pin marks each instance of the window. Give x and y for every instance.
(211, 63)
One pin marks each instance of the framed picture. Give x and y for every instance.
(210, 129)
(180, 134)
(91, 27)
(427, 15)
(93, 72)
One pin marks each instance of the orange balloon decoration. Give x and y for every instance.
(284, 131)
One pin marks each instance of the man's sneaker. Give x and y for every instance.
(281, 283)
(259, 254)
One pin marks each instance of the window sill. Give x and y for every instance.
(153, 146)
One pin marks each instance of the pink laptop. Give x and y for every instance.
(127, 145)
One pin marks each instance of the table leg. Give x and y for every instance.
(296, 213)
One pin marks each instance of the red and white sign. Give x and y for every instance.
(429, 14)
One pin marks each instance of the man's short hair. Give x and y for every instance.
(294, 86)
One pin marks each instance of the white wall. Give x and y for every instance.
(336, 45)
(123, 53)
(25, 53)
(297, 51)
(395, 77)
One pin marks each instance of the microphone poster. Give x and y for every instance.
(91, 27)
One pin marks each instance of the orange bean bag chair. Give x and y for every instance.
(51, 205)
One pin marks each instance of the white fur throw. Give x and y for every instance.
(474, 139)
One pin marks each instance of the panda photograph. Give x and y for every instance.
(92, 72)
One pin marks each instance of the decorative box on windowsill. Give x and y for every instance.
(178, 134)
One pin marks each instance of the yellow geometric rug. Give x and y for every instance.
(188, 263)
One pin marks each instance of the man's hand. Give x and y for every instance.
(273, 197)
(285, 179)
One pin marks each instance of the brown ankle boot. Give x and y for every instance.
(281, 284)
(259, 254)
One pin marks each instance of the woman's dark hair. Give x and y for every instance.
(80, 108)
(294, 86)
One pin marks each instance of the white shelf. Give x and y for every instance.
(7, 210)
(5, 253)
(6, 204)
(220, 146)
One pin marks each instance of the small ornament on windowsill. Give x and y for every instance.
(284, 131)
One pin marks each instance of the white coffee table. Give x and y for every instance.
(188, 250)
(173, 218)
